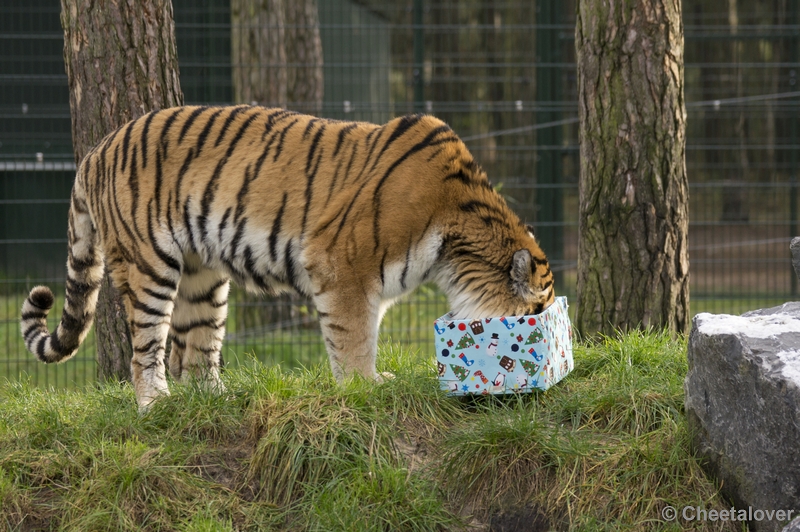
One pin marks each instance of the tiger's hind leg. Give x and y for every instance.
(149, 301)
(198, 325)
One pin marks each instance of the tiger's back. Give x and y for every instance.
(351, 214)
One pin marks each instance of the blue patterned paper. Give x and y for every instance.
(506, 354)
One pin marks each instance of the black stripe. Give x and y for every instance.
(40, 347)
(346, 213)
(273, 118)
(383, 267)
(237, 237)
(27, 334)
(309, 191)
(177, 341)
(187, 221)
(473, 206)
(189, 121)
(406, 123)
(405, 269)
(290, 266)
(279, 147)
(146, 325)
(170, 225)
(155, 277)
(116, 161)
(201, 138)
(119, 218)
(250, 267)
(276, 229)
(145, 131)
(39, 306)
(80, 265)
(424, 143)
(313, 148)
(126, 140)
(208, 196)
(242, 194)
(164, 140)
(159, 177)
(33, 315)
(231, 116)
(459, 176)
(208, 296)
(148, 346)
(342, 134)
(77, 288)
(309, 126)
(133, 184)
(489, 220)
(240, 134)
(210, 323)
(163, 255)
(184, 168)
(538, 261)
(371, 149)
(350, 163)
(157, 295)
(223, 223)
(336, 327)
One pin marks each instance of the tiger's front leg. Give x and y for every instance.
(349, 321)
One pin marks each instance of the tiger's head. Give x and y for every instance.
(496, 269)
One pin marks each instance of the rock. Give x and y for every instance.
(794, 247)
(743, 404)
(794, 526)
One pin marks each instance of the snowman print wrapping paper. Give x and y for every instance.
(508, 354)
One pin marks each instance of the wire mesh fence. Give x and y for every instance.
(501, 73)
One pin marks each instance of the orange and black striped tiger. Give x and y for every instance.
(178, 202)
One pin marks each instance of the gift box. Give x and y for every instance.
(510, 354)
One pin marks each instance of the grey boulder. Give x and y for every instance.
(742, 401)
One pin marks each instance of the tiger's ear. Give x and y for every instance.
(529, 228)
(521, 272)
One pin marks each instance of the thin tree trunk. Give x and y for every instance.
(121, 63)
(734, 199)
(258, 29)
(633, 262)
(303, 44)
(277, 53)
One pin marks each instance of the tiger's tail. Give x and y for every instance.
(85, 269)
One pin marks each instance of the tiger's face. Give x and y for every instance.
(492, 280)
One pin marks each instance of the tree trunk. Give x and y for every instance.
(277, 53)
(304, 56)
(633, 263)
(121, 63)
(258, 55)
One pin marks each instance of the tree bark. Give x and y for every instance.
(258, 55)
(277, 53)
(303, 44)
(633, 261)
(121, 63)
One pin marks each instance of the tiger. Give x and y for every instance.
(178, 202)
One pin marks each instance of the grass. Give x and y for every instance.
(606, 449)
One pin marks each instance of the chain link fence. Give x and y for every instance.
(502, 74)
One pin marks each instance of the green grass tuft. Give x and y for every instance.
(606, 449)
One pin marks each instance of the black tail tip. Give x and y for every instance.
(41, 297)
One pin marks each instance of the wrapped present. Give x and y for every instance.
(508, 354)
